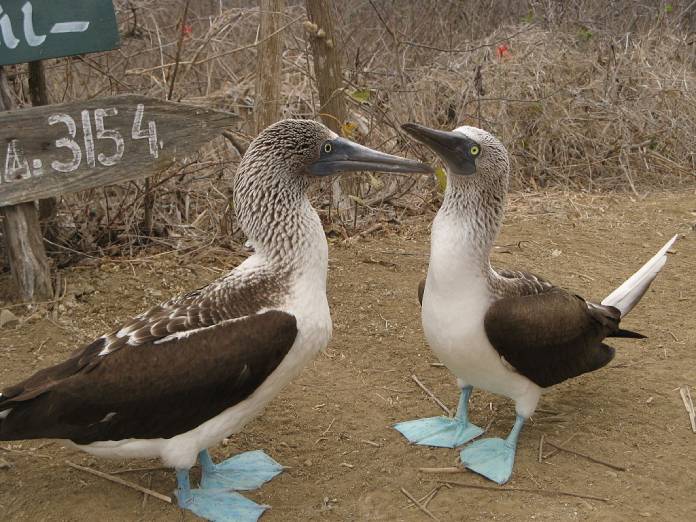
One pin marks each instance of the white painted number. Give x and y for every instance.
(151, 134)
(67, 143)
(16, 165)
(89, 140)
(108, 134)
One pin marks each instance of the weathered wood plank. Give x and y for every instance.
(57, 149)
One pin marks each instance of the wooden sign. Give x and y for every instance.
(55, 149)
(37, 29)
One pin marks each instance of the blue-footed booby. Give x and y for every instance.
(505, 331)
(178, 378)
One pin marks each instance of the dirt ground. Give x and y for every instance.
(332, 425)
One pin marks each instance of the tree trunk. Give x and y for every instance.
(327, 69)
(23, 240)
(268, 64)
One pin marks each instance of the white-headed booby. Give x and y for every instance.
(505, 331)
(182, 376)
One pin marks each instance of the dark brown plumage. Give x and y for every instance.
(254, 347)
(552, 336)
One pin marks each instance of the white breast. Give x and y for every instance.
(455, 302)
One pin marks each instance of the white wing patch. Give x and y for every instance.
(5, 413)
(108, 417)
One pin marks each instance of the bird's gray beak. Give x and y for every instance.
(342, 155)
(458, 152)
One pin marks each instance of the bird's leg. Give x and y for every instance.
(246, 471)
(463, 406)
(443, 432)
(183, 487)
(494, 458)
(218, 505)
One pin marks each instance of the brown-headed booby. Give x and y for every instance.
(508, 332)
(180, 377)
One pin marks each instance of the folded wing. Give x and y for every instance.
(159, 388)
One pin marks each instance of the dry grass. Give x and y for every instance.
(587, 95)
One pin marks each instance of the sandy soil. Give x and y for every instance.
(629, 414)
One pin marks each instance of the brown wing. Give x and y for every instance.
(155, 390)
(552, 336)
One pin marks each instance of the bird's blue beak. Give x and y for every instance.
(342, 155)
(458, 152)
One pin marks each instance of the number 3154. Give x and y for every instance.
(100, 132)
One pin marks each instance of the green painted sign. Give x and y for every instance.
(39, 29)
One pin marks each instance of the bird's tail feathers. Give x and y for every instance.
(626, 296)
(628, 334)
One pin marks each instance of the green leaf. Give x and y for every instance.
(669, 8)
(441, 177)
(584, 33)
(361, 95)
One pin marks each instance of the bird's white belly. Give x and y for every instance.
(454, 329)
(314, 332)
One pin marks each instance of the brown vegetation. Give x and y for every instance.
(586, 95)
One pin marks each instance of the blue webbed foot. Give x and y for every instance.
(222, 506)
(442, 432)
(243, 472)
(216, 505)
(493, 458)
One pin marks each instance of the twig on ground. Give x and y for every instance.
(689, 405)
(556, 450)
(371, 443)
(452, 469)
(431, 395)
(526, 490)
(137, 470)
(588, 457)
(118, 480)
(419, 505)
(541, 448)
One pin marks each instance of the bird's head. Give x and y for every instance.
(308, 150)
(467, 152)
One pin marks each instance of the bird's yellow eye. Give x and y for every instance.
(474, 150)
(327, 147)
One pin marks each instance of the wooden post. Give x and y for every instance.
(23, 240)
(268, 64)
(38, 94)
(327, 69)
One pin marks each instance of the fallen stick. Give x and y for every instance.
(453, 469)
(419, 505)
(689, 405)
(432, 396)
(526, 490)
(555, 451)
(119, 480)
(541, 448)
(588, 457)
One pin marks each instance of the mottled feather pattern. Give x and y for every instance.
(272, 207)
(222, 300)
(504, 282)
